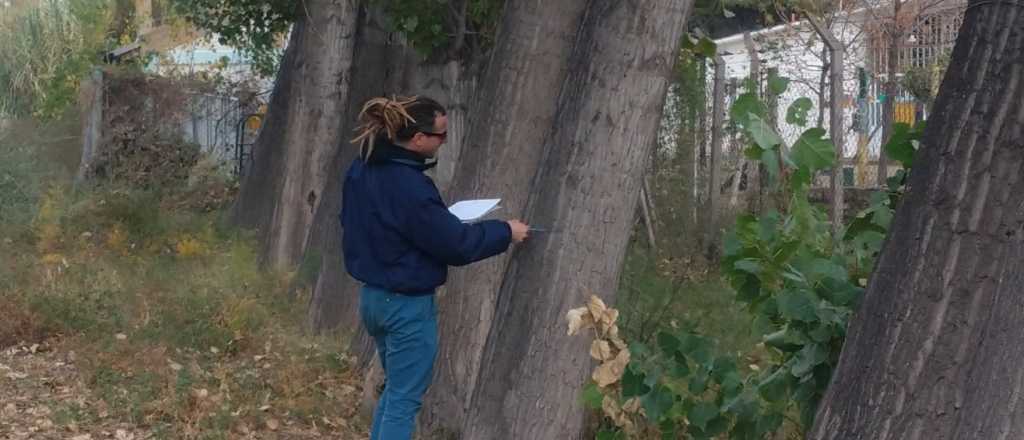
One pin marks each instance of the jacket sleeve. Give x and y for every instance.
(433, 230)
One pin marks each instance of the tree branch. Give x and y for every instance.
(824, 32)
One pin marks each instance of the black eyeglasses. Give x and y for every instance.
(443, 136)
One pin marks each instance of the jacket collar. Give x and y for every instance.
(386, 151)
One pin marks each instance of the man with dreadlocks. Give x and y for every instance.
(399, 240)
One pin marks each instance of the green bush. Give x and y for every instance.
(799, 285)
(47, 49)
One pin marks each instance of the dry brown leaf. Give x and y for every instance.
(607, 320)
(579, 319)
(611, 371)
(600, 350)
(596, 306)
(273, 424)
(621, 419)
(632, 406)
(610, 407)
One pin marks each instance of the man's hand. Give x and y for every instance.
(520, 230)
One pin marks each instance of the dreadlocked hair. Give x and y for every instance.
(398, 118)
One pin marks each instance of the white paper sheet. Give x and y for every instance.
(473, 210)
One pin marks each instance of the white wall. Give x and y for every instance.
(795, 50)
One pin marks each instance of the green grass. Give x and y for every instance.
(651, 300)
(175, 325)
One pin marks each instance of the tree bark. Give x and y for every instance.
(512, 113)
(375, 72)
(934, 350)
(648, 223)
(91, 101)
(586, 189)
(715, 180)
(293, 153)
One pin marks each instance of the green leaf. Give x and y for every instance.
(658, 402)
(699, 382)
(808, 358)
(900, 146)
(753, 152)
(744, 406)
(680, 367)
(610, 435)
(707, 47)
(727, 13)
(813, 151)
(667, 428)
(748, 265)
(882, 217)
(717, 426)
(769, 423)
(775, 387)
(633, 383)
(799, 179)
(822, 333)
(798, 110)
(749, 290)
(841, 293)
(723, 367)
(770, 159)
(797, 305)
(767, 224)
(667, 342)
(697, 348)
(762, 133)
(701, 414)
(786, 339)
(777, 85)
(862, 224)
(745, 105)
(821, 268)
(592, 396)
(895, 182)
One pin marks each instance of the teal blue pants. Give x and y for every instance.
(405, 330)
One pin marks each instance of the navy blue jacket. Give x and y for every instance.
(398, 233)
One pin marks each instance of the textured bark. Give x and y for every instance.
(934, 351)
(293, 153)
(511, 114)
(91, 102)
(648, 222)
(586, 191)
(334, 302)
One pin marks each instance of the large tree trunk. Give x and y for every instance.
(294, 151)
(934, 351)
(590, 175)
(512, 114)
(376, 67)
